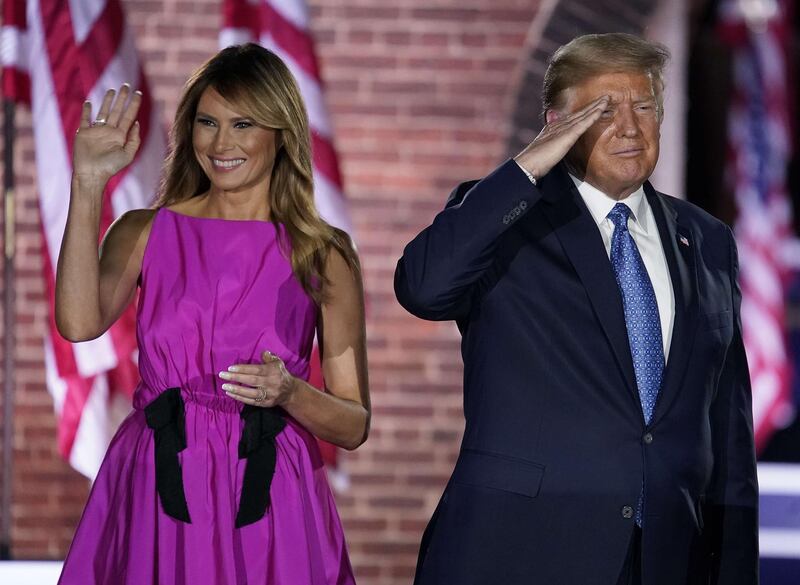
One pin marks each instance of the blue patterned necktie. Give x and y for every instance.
(641, 316)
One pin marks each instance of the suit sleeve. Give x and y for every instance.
(733, 510)
(434, 277)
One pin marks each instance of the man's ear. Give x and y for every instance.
(551, 116)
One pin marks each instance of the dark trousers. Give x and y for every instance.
(632, 569)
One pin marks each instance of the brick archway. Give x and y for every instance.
(556, 23)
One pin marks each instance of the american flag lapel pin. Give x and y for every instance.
(683, 240)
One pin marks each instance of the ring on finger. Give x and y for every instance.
(99, 122)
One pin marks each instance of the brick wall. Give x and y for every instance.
(420, 95)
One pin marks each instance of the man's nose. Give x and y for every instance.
(627, 124)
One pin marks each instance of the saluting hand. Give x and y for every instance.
(108, 144)
(266, 384)
(558, 137)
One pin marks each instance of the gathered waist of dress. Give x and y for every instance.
(166, 415)
(206, 391)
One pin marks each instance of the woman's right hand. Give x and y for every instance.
(106, 146)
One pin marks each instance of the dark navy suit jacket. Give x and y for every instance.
(555, 449)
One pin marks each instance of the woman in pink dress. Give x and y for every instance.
(215, 477)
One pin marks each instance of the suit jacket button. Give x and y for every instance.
(506, 219)
(647, 438)
(627, 512)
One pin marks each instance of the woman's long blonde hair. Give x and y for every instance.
(258, 82)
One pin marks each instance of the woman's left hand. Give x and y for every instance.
(266, 384)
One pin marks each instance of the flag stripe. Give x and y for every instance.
(85, 378)
(242, 15)
(14, 51)
(757, 157)
(295, 41)
(76, 68)
(77, 387)
(293, 11)
(325, 158)
(310, 87)
(16, 85)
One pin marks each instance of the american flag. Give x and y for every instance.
(282, 26)
(758, 154)
(55, 55)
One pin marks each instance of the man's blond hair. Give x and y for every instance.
(591, 55)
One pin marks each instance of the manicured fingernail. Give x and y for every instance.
(227, 387)
(137, 92)
(224, 375)
(233, 369)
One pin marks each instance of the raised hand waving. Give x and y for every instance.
(108, 144)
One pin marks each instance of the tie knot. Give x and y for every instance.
(619, 215)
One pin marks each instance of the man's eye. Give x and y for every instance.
(607, 114)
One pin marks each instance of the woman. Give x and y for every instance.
(215, 477)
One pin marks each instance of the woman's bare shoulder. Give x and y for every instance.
(129, 232)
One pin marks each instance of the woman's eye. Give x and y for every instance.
(242, 124)
(205, 122)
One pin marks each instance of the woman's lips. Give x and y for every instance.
(226, 165)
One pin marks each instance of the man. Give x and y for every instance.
(608, 433)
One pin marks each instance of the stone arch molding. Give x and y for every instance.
(555, 24)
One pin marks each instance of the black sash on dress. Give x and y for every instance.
(261, 426)
(165, 415)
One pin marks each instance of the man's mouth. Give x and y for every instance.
(628, 152)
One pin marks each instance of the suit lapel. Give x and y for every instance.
(679, 249)
(583, 245)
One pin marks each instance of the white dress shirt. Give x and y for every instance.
(643, 229)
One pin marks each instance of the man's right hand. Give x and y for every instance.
(558, 137)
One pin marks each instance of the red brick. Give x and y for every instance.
(396, 502)
(392, 548)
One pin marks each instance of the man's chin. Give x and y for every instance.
(619, 185)
(630, 177)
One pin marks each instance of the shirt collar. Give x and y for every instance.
(600, 204)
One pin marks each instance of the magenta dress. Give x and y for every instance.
(213, 293)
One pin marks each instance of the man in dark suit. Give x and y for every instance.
(608, 434)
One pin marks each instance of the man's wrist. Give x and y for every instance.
(528, 174)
